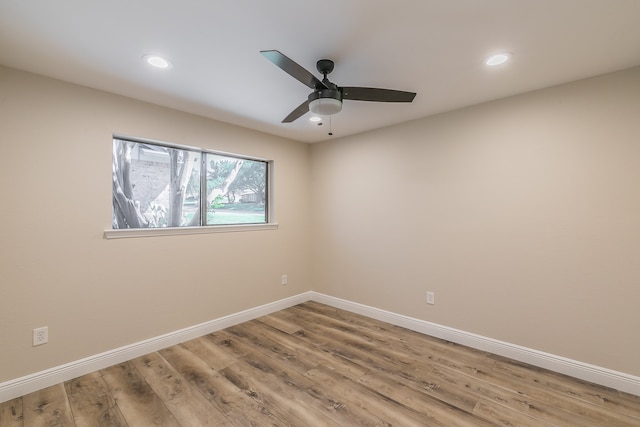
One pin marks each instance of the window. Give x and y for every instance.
(158, 186)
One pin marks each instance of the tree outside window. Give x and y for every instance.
(161, 186)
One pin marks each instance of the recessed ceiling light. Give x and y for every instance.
(157, 61)
(315, 119)
(498, 58)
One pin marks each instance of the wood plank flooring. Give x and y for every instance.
(314, 365)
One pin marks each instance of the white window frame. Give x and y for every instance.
(203, 229)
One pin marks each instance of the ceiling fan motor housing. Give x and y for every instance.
(325, 102)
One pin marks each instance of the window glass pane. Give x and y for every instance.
(236, 190)
(155, 186)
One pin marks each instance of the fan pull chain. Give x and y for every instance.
(330, 127)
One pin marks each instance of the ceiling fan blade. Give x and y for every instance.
(293, 69)
(377, 95)
(300, 111)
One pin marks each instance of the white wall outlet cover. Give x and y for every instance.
(431, 298)
(41, 335)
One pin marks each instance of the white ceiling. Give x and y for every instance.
(433, 47)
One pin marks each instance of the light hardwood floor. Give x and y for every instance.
(313, 365)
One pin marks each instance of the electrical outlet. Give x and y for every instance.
(40, 336)
(431, 297)
(284, 279)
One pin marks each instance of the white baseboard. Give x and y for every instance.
(39, 380)
(595, 374)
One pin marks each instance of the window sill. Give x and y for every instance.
(176, 231)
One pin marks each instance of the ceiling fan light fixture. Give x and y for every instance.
(325, 106)
(325, 102)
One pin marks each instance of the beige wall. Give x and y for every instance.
(56, 269)
(523, 215)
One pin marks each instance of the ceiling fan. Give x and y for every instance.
(326, 98)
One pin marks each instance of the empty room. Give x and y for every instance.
(252, 213)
